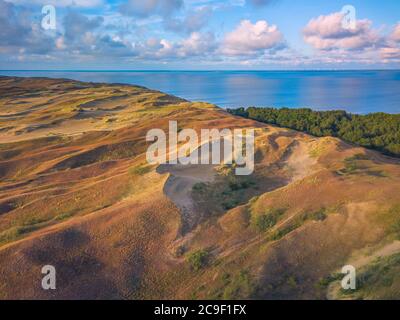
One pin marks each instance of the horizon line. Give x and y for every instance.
(186, 70)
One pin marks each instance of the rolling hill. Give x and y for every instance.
(77, 192)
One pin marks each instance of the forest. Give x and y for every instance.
(378, 131)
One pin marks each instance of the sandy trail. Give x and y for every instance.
(179, 188)
(180, 183)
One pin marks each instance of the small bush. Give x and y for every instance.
(63, 216)
(198, 259)
(318, 215)
(268, 220)
(230, 204)
(279, 234)
(140, 170)
(236, 184)
(15, 233)
(325, 282)
(199, 187)
(264, 222)
(239, 286)
(351, 165)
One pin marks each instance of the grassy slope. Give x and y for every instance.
(75, 191)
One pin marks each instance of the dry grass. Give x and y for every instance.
(75, 191)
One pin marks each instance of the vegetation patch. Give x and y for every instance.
(299, 220)
(326, 281)
(63, 216)
(354, 166)
(16, 233)
(390, 219)
(379, 131)
(351, 165)
(199, 187)
(281, 232)
(140, 170)
(198, 259)
(379, 280)
(267, 220)
(226, 193)
(238, 286)
(317, 215)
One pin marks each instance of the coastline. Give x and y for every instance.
(376, 131)
(232, 89)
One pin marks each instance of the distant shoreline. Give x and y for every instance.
(188, 70)
(378, 131)
(325, 98)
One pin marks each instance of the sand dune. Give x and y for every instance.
(77, 192)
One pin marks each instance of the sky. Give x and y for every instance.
(199, 34)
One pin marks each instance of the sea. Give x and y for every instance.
(356, 91)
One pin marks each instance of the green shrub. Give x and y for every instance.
(239, 286)
(140, 170)
(15, 233)
(318, 215)
(325, 282)
(280, 233)
(199, 187)
(198, 259)
(268, 220)
(230, 204)
(264, 222)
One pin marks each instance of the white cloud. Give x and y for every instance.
(391, 50)
(361, 44)
(395, 36)
(327, 33)
(252, 39)
(197, 44)
(60, 3)
(18, 33)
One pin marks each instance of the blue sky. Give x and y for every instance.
(199, 34)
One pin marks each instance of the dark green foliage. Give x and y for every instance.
(199, 187)
(268, 220)
(264, 222)
(325, 282)
(198, 259)
(238, 286)
(230, 204)
(377, 131)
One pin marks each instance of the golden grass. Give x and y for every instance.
(77, 192)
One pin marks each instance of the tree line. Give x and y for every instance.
(379, 131)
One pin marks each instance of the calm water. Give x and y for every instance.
(354, 91)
